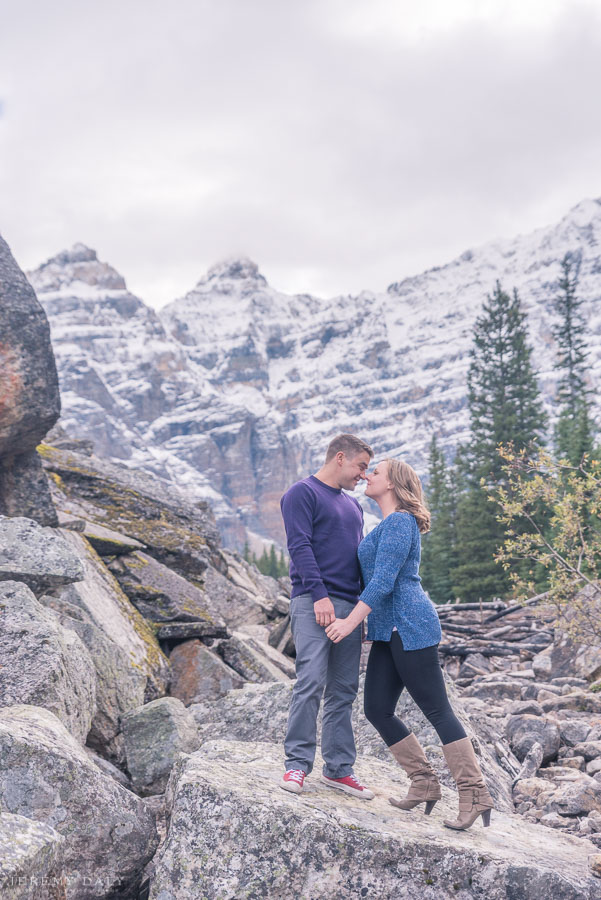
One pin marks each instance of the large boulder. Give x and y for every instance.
(120, 685)
(36, 555)
(522, 731)
(198, 674)
(42, 663)
(105, 604)
(29, 394)
(45, 775)
(234, 833)
(259, 712)
(155, 734)
(31, 859)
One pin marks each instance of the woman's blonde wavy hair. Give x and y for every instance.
(409, 492)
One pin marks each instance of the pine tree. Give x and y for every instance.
(574, 428)
(505, 407)
(283, 565)
(438, 545)
(273, 563)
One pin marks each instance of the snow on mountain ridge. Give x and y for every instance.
(235, 388)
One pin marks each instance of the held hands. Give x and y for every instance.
(339, 629)
(324, 611)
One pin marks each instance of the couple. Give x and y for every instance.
(328, 564)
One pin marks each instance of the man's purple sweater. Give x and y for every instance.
(324, 527)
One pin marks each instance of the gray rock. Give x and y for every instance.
(532, 762)
(36, 555)
(582, 701)
(588, 749)
(155, 734)
(228, 814)
(120, 684)
(107, 542)
(253, 660)
(593, 767)
(523, 731)
(576, 798)
(566, 658)
(45, 775)
(573, 731)
(525, 707)
(198, 674)
(162, 595)
(495, 690)
(105, 604)
(31, 859)
(29, 395)
(42, 663)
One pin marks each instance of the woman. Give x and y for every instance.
(403, 625)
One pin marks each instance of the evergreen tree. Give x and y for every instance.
(574, 428)
(438, 545)
(246, 554)
(505, 407)
(283, 564)
(273, 563)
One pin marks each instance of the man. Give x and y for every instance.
(324, 527)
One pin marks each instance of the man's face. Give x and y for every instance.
(352, 470)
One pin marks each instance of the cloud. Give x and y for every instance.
(342, 145)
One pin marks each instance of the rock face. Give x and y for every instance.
(103, 601)
(45, 775)
(235, 389)
(42, 663)
(29, 394)
(234, 833)
(35, 555)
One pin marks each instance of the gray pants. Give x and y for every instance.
(320, 665)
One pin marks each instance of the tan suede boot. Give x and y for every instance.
(425, 787)
(474, 799)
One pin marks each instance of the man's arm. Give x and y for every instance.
(297, 510)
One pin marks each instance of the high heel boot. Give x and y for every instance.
(425, 787)
(474, 799)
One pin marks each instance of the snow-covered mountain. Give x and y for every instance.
(235, 389)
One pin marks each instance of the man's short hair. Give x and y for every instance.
(349, 444)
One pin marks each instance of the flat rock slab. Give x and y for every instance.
(234, 833)
(162, 595)
(31, 856)
(36, 555)
(107, 542)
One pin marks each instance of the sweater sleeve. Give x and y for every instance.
(393, 548)
(298, 505)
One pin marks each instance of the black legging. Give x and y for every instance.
(390, 668)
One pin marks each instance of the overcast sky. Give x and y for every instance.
(341, 144)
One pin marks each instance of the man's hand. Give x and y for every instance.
(324, 611)
(339, 629)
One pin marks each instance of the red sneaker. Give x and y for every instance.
(350, 785)
(293, 781)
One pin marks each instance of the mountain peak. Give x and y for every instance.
(240, 268)
(79, 264)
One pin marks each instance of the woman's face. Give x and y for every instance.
(377, 481)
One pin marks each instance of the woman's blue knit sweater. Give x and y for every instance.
(389, 558)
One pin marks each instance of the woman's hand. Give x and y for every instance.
(339, 629)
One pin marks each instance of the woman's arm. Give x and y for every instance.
(340, 628)
(393, 549)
